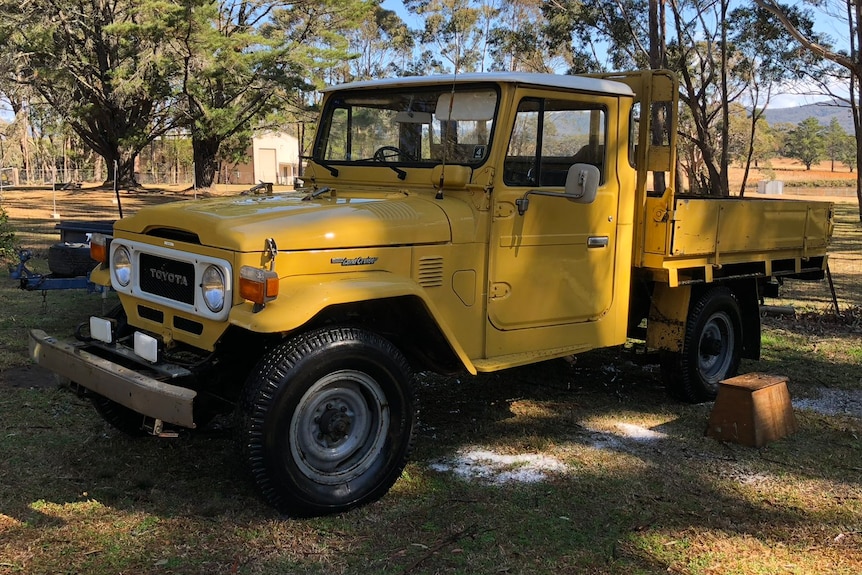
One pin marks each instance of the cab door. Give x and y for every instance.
(553, 266)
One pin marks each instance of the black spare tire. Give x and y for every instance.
(70, 260)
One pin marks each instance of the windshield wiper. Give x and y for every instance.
(332, 170)
(316, 194)
(401, 173)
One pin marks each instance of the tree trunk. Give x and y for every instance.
(858, 164)
(657, 60)
(857, 130)
(97, 168)
(206, 160)
(723, 180)
(121, 167)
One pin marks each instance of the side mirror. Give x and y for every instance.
(582, 183)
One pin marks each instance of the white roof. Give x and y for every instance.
(579, 83)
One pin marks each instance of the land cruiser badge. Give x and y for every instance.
(353, 261)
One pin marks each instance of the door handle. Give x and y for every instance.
(597, 242)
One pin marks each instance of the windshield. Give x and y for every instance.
(418, 126)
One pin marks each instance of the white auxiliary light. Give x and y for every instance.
(147, 347)
(100, 329)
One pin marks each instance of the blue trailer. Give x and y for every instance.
(68, 260)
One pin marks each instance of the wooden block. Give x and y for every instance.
(752, 409)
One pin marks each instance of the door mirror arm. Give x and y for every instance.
(582, 183)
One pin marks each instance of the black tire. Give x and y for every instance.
(711, 347)
(326, 421)
(70, 260)
(118, 416)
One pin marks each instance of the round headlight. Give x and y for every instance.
(122, 263)
(212, 288)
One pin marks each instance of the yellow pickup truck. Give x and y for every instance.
(449, 224)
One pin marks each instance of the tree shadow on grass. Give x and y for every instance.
(616, 495)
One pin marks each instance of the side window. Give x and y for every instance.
(551, 135)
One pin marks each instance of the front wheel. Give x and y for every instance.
(711, 349)
(327, 421)
(118, 416)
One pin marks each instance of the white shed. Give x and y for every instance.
(275, 157)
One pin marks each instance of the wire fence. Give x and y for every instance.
(155, 176)
(75, 177)
(844, 289)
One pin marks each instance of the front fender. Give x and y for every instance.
(101, 276)
(300, 298)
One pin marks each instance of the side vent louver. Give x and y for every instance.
(430, 272)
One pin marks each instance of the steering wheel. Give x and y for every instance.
(389, 154)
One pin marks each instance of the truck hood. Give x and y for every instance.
(242, 223)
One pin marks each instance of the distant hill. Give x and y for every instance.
(824, 112)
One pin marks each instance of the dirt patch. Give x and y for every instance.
(28, 377)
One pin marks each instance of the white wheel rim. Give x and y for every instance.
(339, 427)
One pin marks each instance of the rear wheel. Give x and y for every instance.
(327, 421)
(711, 347)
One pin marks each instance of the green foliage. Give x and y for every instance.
(820, 184)
(7, 238)
(806, 143)
(840, 146)
(120, 74)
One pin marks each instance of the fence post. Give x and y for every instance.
(54, 214)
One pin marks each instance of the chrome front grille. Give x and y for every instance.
(167, 278)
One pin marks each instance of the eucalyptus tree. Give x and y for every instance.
(720, 55)
(383, 45)
(518, 41)
(706, 62)
(16, 133)
(457, 30)
(100, 65)
(598, 35)
(725, 56)
(770, 59)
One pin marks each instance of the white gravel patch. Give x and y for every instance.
(622, 436)
(833, 402)
(640, 434)
(489, 467)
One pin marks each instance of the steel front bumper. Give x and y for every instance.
(141, 393)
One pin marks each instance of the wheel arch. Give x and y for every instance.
(670, 308)
(407, 323)
(395, 308)
(747, 293)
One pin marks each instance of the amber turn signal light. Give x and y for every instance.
(99, 248)
(257, 285)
